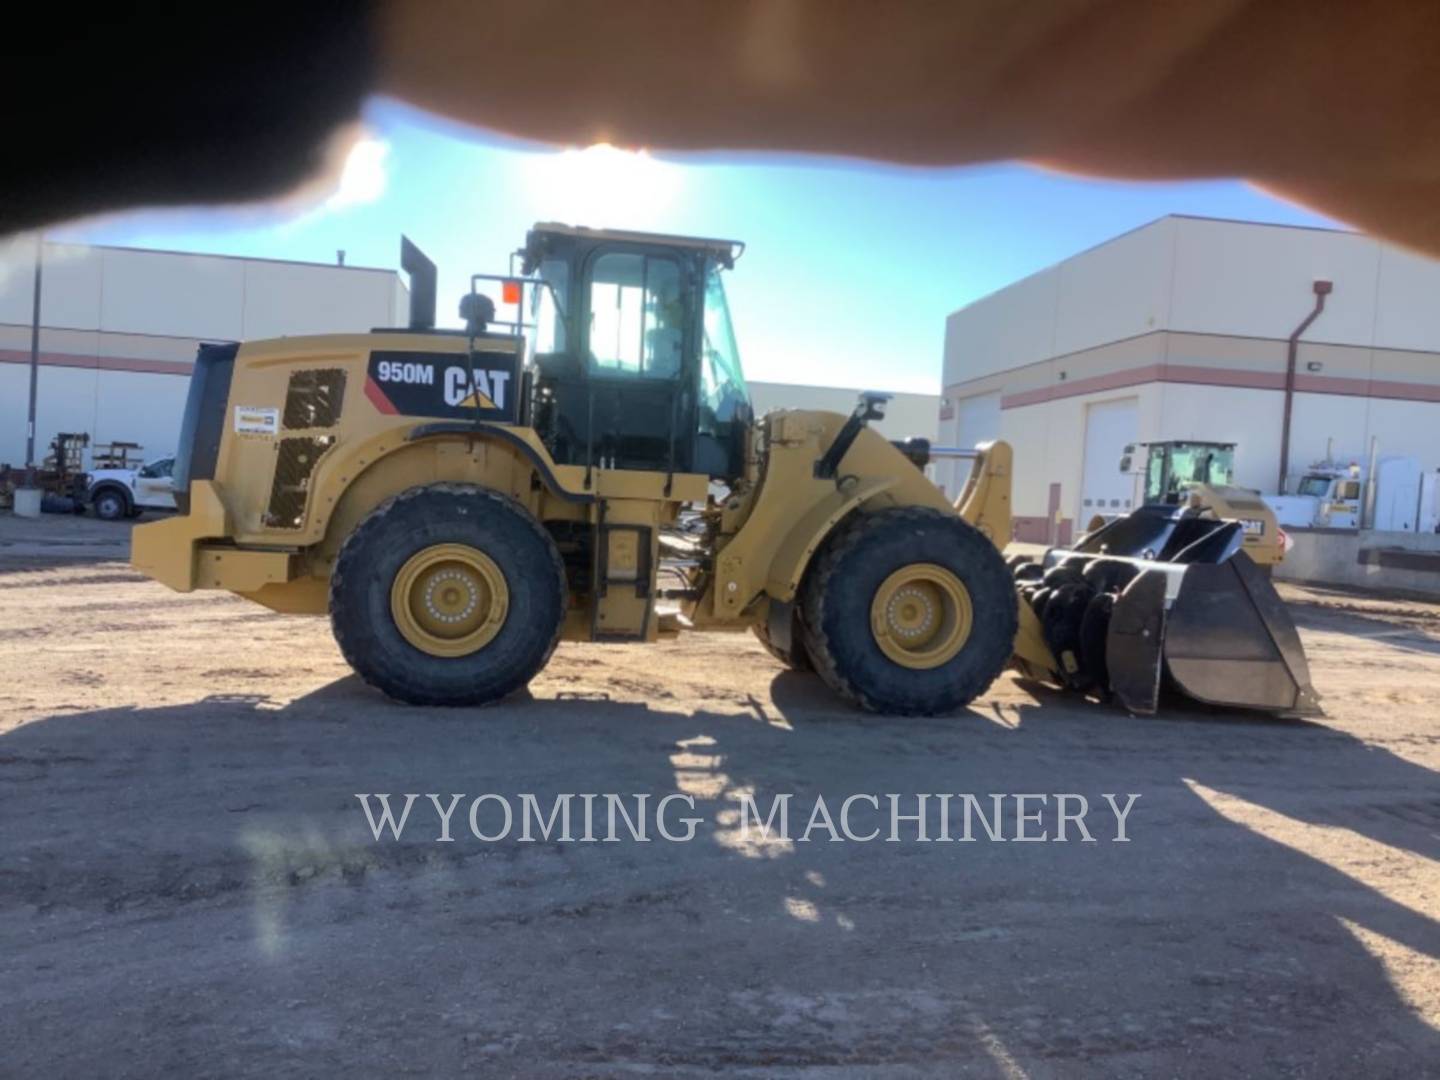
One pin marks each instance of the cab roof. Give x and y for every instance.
(1188, 442)
(727, 251)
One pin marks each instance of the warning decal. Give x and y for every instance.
(250, 420)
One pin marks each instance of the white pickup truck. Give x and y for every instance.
(121, 493)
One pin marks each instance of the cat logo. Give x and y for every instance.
(440, 385)
(487, 393)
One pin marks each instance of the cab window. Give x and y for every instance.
(637, 316)
(157, 469)
(1155, 475)
(722, 382)
(548, 304)
(1221, 468)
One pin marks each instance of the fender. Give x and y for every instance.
(794, 510)
(535, 455)
(442, 452)
(346, 463)
(106, 485)
(801, 542)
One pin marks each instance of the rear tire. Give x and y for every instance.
(838, 599)
(492, 536)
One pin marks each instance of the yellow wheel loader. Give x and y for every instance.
(1199, 476)
(459, 501)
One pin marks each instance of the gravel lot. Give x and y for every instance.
(189, 885)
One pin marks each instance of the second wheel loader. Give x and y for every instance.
(459, 501)
(1200, 475)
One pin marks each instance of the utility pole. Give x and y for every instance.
(34, 363)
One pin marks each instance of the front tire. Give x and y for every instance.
(448, 594)
(110, 504)
(909, 611)
(795, 658)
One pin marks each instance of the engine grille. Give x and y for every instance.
(288, 491)
(315, 398)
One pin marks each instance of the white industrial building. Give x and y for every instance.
(119, 329)
(1180, 330)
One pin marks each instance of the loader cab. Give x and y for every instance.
(1171, 467)
(632, 353)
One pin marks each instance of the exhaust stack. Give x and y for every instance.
(422, 284)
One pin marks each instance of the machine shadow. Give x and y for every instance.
(206, 871)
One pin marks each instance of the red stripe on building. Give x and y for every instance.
(102, 363)
(1200, 375)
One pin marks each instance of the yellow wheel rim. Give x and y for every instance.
(449, 600)
(921, 616)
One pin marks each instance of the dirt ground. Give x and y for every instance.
(189, 886)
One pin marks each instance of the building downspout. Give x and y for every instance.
(34, 364)
(1322, 290)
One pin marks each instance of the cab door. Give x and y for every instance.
(154, 486)
(637, 320)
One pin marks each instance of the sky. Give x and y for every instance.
(850, 267)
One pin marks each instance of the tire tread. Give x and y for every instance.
(397, 680)
(821, 580)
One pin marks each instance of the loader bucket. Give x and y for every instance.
(1218, 630)
(1230, 641)
(1161, 599)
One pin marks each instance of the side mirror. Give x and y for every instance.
(1125, 464)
